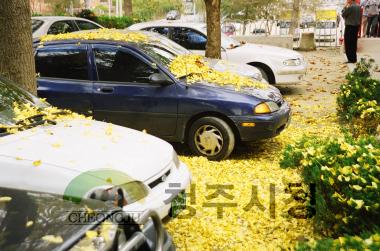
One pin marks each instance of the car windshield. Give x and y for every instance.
(36, 24)
(163, 50)
(11, 95)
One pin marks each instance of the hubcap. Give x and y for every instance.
(208, 140)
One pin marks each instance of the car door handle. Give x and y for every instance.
(105, 89)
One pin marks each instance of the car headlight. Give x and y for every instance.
(293, 62)
(266, 107)
(120, 195)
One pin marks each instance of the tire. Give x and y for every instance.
(211, 137)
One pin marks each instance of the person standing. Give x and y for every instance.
(363, 4)
(351, 15)
(372, 9)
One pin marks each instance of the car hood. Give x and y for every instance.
(85, 145)
(267, 50)
(240, 69)
(270, 93)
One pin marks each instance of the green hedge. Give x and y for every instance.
(359, 100)
(358, 243)
(116, 22)
(346, 173)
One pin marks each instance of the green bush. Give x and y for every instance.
(116, 22)
(346, 173)
(359, 100)
(87, 14)
(360, 243)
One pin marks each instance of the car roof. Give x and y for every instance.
(152, 35)
(58, 18)
(169, 23)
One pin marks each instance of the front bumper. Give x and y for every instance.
(291, 74)
(266, 126)
(160, 197)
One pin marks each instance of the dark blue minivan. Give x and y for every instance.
(130, 84)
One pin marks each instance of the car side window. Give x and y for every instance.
(62, 27)
(62, 62)
(117, 65)
(84, 25)
(161, 30)
(189, 38)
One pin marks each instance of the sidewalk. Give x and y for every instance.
(369, 48)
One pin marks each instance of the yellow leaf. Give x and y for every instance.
(5, 199)
(37, 163)
(53, 239)
(29, 224)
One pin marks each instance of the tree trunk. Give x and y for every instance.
(295, 17)
(128, 7)
(213, 47)
(16, 49)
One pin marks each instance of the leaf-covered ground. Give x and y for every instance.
(264, 224)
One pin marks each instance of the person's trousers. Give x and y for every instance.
(372, 26)
(364, 26)
(351, 42)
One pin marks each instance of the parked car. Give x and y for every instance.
(259, 31)
(32, 220)
(173, 15)
(82, 158)
(228, 29)
(277, 65)
(131, 84)
(60, 24)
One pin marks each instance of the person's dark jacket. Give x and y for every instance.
(351, 14)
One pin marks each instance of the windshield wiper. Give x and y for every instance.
(35, 120)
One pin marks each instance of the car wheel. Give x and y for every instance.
(211, 137)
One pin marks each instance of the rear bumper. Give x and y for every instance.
(266, 126)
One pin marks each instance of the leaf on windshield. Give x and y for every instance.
(29, 223)
(5, 199)
(52, 239)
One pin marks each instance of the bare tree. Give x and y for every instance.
(213, 47)
(16, 48)
(295, 17)
(128, 7)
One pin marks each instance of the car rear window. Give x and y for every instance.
(63, 62)
(36, 24)
(84, 25)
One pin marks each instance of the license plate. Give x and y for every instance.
(178, 204)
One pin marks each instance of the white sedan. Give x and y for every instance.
(277, 65)
(81, 158)
(59, 24)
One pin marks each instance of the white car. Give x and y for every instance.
(277, 65)
(59, 24)
(81, 158)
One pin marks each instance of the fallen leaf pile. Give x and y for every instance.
(196, 69)
(252, 227)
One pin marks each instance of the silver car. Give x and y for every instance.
(58, 24)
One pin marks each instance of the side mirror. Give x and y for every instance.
(159, 79)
